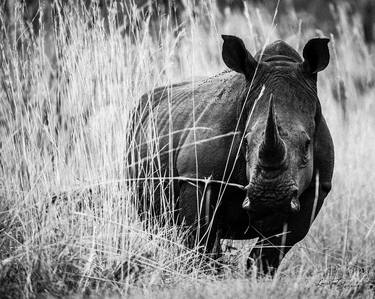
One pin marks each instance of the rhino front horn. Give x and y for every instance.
(246, 204)
(272, 151)
(295, 206)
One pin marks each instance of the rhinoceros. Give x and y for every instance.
(243, 154)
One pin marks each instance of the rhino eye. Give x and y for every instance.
(306, 153)
(244, 142)
(307, 145)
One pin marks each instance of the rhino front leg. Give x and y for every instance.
(270, 250)
(196, 210)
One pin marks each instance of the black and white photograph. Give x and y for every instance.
(187, 149)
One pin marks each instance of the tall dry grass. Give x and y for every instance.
(68, 220)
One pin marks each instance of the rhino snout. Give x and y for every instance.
(283, 198)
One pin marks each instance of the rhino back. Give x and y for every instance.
(193, 123)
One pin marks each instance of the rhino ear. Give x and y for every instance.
(316, 55)
(237, 58)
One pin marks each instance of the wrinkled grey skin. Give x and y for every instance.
(276, 152)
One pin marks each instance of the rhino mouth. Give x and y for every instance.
(261, 199)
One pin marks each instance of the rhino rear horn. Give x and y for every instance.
(272, 151)
(237, 58)
(316, 55)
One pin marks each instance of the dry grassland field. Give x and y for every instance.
(69, 226)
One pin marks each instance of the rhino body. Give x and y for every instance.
(259, 125)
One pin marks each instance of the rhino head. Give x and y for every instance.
(278, 142)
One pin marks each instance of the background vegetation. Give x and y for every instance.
(67, 218)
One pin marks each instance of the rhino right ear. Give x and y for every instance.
(237, 58)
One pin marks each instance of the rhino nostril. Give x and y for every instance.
(295, 205)
(246, 204)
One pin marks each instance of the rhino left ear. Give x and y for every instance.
(237, 58)
(316, 55)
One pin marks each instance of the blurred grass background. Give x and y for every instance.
(64, 124)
